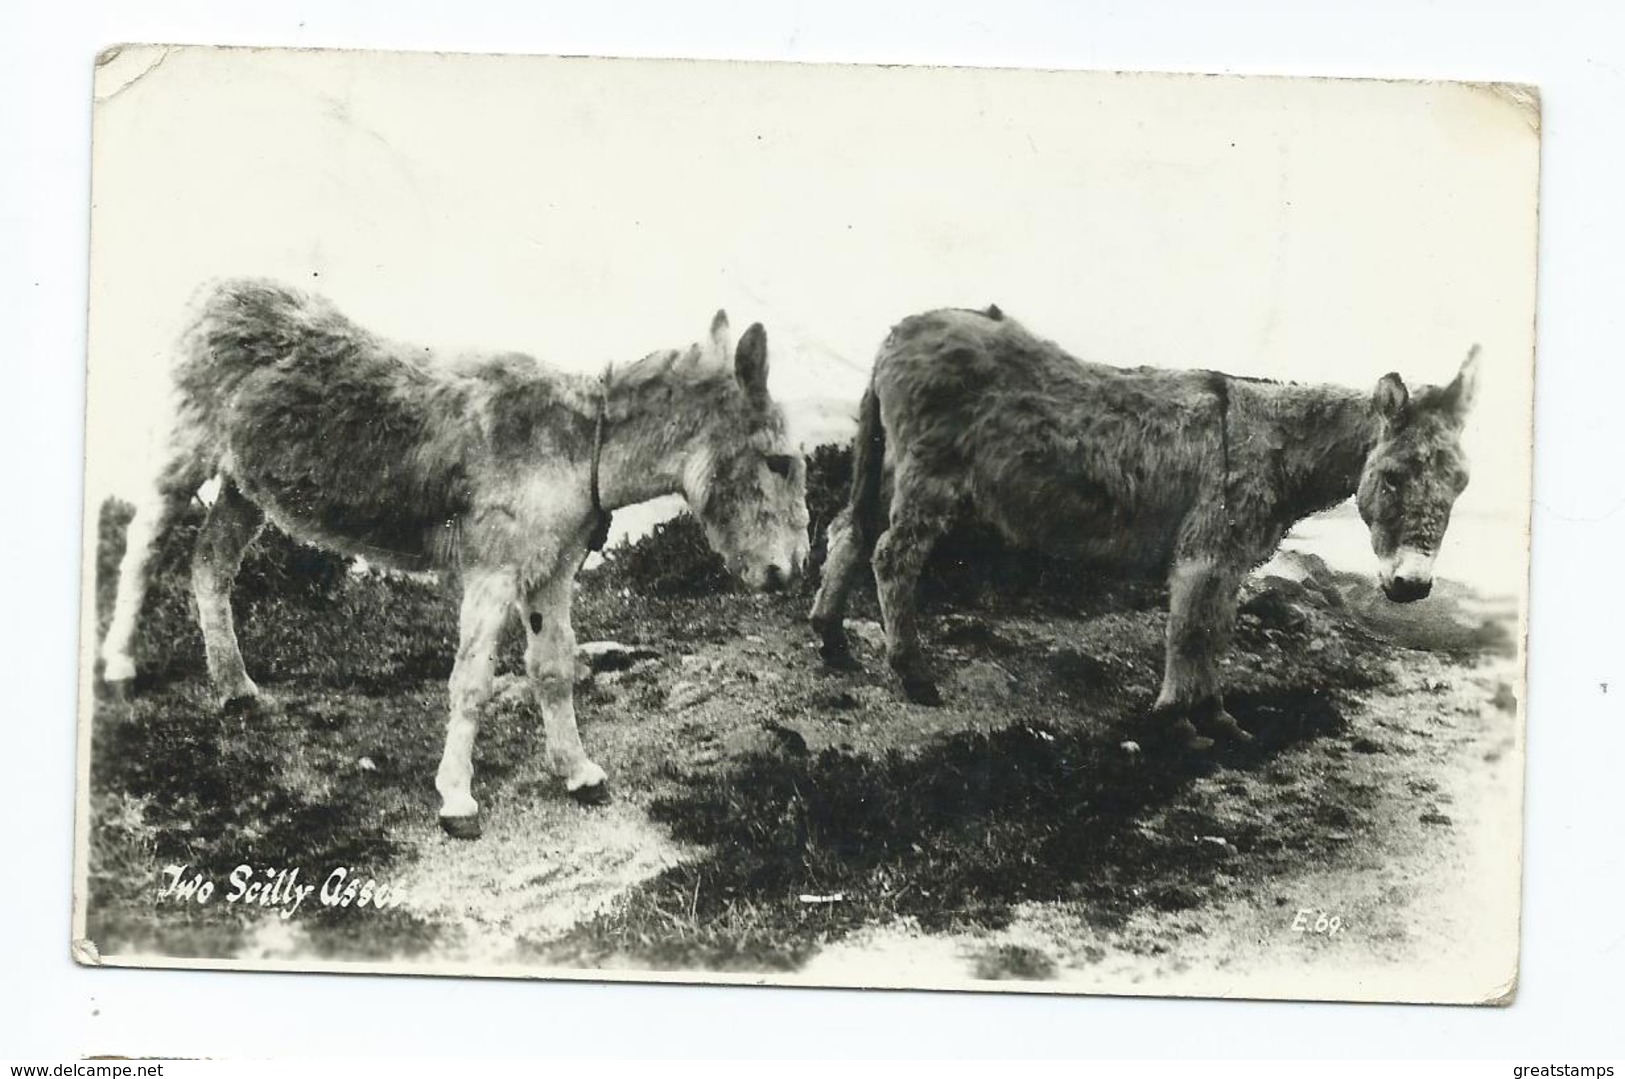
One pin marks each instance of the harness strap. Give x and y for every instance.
(601, 516)
(1220, 383)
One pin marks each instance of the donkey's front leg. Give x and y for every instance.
(842, 563)
(1202, 595)
(919, 517)
(487, 594)
(550, 661)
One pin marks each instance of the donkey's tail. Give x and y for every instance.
(852, 535)
(868, 464)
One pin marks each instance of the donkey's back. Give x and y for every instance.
(351, 441)
(1056, 452)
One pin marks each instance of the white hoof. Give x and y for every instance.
(587, 774)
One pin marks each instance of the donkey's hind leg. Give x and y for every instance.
(231, 526)
(920, 514)
(842, 564)
(153, 517)
(487, 597)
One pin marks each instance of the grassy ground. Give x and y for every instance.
(769, 812)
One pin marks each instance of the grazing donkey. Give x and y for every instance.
(496, 465)
(1190, 473)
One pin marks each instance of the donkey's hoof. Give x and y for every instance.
(922, 691)
(1182, 734)
(243, 704)
(1225, 726)
(591, 794)
(461, 827)
(839, 659)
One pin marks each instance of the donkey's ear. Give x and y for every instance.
(1458, 396)
(1391, 399)
(722, 344)
(750, 363)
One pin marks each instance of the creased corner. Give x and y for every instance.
(1503, 995)
(85, 952)
(119, 67)
(1524, 98)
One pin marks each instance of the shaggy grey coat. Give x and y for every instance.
(495, 465)
(1194, 474)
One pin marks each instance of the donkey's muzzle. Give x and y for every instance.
(1409, 575)
(1407, 589)
(774, 578)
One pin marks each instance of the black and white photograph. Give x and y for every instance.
(807, 524)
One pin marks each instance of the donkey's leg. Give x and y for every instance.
(1202, 593)
(550, 661)
(842, 564)
(152, 519)
(487, 595)
(919, 515)
(231, 526)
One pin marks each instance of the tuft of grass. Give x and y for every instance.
(1013, 962)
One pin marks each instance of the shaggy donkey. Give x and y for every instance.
(496, 465)
(1190, 473)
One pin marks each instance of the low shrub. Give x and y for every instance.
(673, 559)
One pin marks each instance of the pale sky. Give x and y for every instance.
(588, 211)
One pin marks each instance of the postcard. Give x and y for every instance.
(932, 528)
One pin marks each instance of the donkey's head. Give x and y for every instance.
(744, 481)
(1413, 475)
